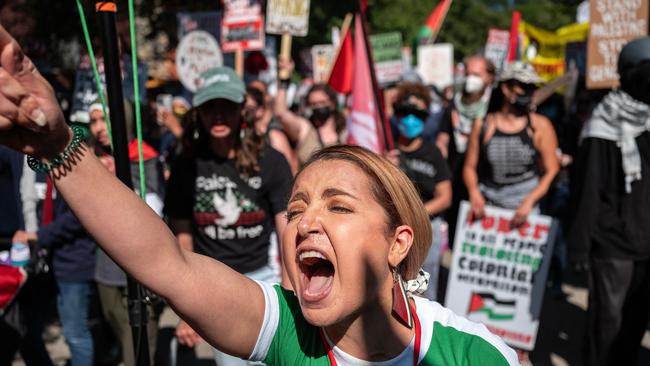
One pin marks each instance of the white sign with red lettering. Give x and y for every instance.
(498, 273)
(242, 27)
(198, 51)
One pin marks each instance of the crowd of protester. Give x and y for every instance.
(485, 142)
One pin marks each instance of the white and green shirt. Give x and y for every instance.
(287, 339)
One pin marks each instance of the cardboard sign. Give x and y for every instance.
(322, 56)
(387, 55)
(496, 47)
(287, 17)
(436, 64)
(242, 27)
(498, 274)
(613, 24)
(197, 52)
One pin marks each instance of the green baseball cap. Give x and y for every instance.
(219, 83)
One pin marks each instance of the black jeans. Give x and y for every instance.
(619, 301)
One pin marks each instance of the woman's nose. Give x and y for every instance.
(310, 223)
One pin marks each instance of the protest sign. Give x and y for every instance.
(436, 64)
(322, 56)
(496, 48)
(242, 27)
(387, 55)
(613, 24)
(545, 50)
(498, 274)
(85, 92)
(201, 20)
(287, 17)
(197, 52)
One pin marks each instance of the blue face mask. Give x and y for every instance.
(410, 126)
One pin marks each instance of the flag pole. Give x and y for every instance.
(136, 307)
(385, 127)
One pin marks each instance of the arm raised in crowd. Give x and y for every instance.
(294, 125)
(200, 289)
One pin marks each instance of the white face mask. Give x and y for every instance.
(473, 84)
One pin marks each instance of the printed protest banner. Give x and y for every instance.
(242, 27)
(436, 64)
(387, 55)
(545, 49)
(498, 274)
(287, 17)
(322, 56)
(85, 92)
(496, 47)
(197, 52)
(613, 24)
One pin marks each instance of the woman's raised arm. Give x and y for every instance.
(210, 296)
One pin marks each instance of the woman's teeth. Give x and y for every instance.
(310, 254)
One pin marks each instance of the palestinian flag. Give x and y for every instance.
(494, 308)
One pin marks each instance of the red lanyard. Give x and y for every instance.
(416, 346)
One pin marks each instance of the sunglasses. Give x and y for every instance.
(404, 109)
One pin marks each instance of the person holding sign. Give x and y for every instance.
(610, 236)
(355, 231)
(322, 125)
(507, 149)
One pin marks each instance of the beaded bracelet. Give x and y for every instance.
(41, 167)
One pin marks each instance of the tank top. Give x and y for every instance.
(508, 158)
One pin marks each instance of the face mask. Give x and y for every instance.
(522, 102)
(473, 84)
(320, 115)
(410, 126)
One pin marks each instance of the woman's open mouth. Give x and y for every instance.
(316, 275)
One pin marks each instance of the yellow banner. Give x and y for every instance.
(545, 50)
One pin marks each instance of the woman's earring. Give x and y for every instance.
(196, 134)
(401, 308)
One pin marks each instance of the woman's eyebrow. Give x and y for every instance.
(299, 196)
(331, 192)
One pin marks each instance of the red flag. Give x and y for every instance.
(341, 74)
(514, 37)
(435, 20)
(364, 123)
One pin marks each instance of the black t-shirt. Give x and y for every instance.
(425, 167)
(232, 218)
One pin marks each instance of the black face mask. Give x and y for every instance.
(319, 115)
(636, 82)
(523, 102)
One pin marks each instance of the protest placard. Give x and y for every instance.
(496, 47)
(322, 56)
(498, 273)
(242, 27)
(85, 91)
(613, 24)
(287, 17)
(387, 55)
(197, 52)
(436, 64)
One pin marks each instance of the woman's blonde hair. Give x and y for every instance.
(393, 190)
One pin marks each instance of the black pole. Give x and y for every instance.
(112, 69)
(379, 102)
